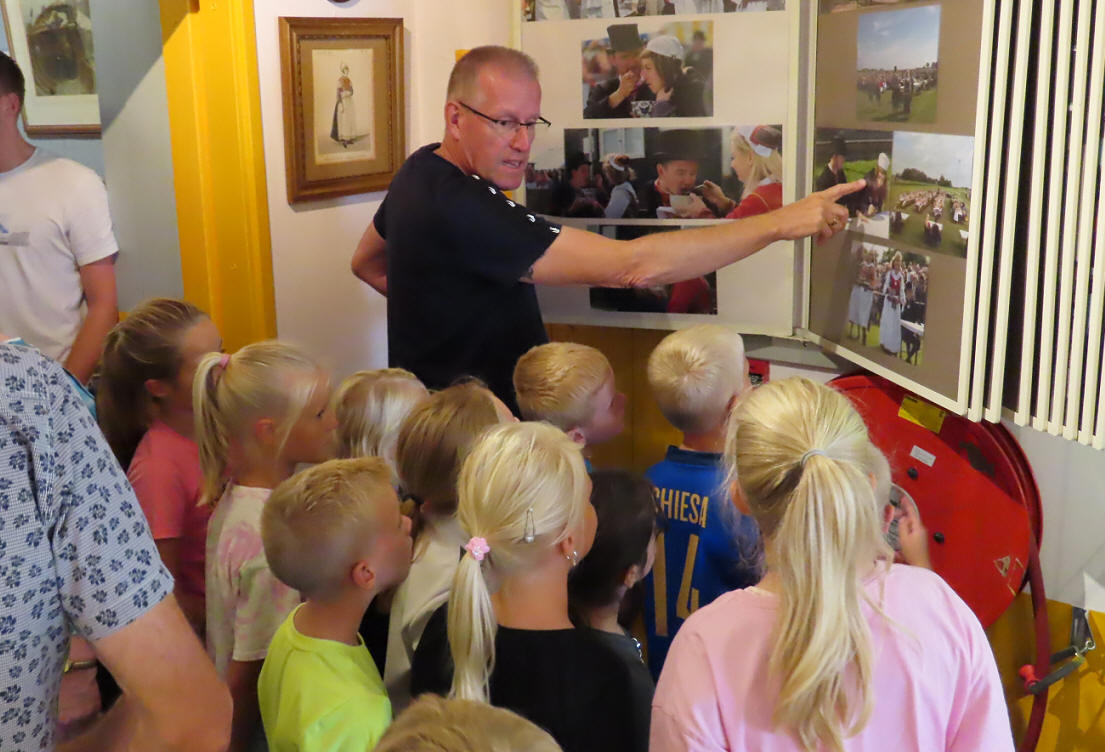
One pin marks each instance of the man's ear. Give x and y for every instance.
(452, 119)
(363, 576)
(156, 388)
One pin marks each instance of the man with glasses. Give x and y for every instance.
(457, 258)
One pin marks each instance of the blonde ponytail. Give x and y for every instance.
(802, 456)
(522, 489)
(265, 379)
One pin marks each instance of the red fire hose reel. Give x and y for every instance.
(977, 498)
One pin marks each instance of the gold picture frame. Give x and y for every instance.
(52, 45)
(344, 105)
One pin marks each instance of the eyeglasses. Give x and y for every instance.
(508, 129)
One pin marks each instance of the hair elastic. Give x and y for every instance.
(477, 548)
(811, 453)
(224, 361)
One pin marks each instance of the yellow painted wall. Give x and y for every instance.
(1075, 721)
(218, 164)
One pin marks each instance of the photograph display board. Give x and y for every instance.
(896, 101)
(667, 115)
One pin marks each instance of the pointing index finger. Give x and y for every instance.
(837, 191)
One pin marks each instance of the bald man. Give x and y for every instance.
(458, 259)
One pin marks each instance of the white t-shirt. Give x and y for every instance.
(245, 602)
(54, 219)
(427, 586)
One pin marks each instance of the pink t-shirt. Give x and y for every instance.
(935, 684)
(167, 480)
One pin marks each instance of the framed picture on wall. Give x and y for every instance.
(51, 42)
(343, 105)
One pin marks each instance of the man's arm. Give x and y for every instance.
(172, 699)
(98, 283)
(370, 263)
(242, 678)
(578, 257)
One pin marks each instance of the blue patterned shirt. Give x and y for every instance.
(76, 555)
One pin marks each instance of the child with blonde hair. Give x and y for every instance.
(707, 548)
(371, 407)
(837, 648)
(523, 503)
(434, 724)
(432, 444)
(259, 413)
(145, 409)
(334, 534)
(571, 386)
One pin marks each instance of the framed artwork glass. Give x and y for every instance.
(343, 105)
(51, 42)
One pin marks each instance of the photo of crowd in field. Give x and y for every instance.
(896, 65)
(930, 194)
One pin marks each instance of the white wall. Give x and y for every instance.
(318, 301)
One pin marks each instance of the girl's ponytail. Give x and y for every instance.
(803, 459)
(211, 435)
(472, 630)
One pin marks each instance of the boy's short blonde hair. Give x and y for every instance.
(694, 373)
(320, 521)
(555, 382)
(433, 724)
(371, 406)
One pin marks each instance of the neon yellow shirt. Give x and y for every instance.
(320, 694)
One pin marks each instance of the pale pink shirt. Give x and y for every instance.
(245, 602)
(167, 480)
(935, 684)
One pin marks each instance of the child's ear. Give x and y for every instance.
(363, 576)
(264, 431)
(740, 501)
(156, 388)
(633, 575)
(567, 546)
(887, 517)
(575, 433)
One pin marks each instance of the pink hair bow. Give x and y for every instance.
(478, 548)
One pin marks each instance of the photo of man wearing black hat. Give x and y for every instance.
(611, 98)
(677, 159)
(833, 173)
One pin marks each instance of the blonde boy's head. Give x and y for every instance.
(437, 725)
(571, 386)
(322, 523)
(695, 373)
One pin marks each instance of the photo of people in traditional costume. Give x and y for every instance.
(676, 90)
(872, 198)
(893, 291)
(756, 159)
(619, 177)
(620, 58)
(863, 295)
(344, 126)
(578, 194)
(561, 10)
(897, 71)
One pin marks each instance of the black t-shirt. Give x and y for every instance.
(456, 250)
(567, 681)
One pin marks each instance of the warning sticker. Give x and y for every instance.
(922, 413)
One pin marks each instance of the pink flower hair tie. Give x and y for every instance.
(478, 548)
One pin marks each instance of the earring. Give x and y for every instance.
(574, 557)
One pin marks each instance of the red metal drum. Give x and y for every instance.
(972, 486)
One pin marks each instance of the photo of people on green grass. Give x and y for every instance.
(844, 155)
(897, 66)
(930, 193)
(843, 6)
(889, 297)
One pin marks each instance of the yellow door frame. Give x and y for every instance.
(210, 51)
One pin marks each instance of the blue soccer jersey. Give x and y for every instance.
(707, 547)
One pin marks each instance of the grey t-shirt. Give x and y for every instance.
(76, 555)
